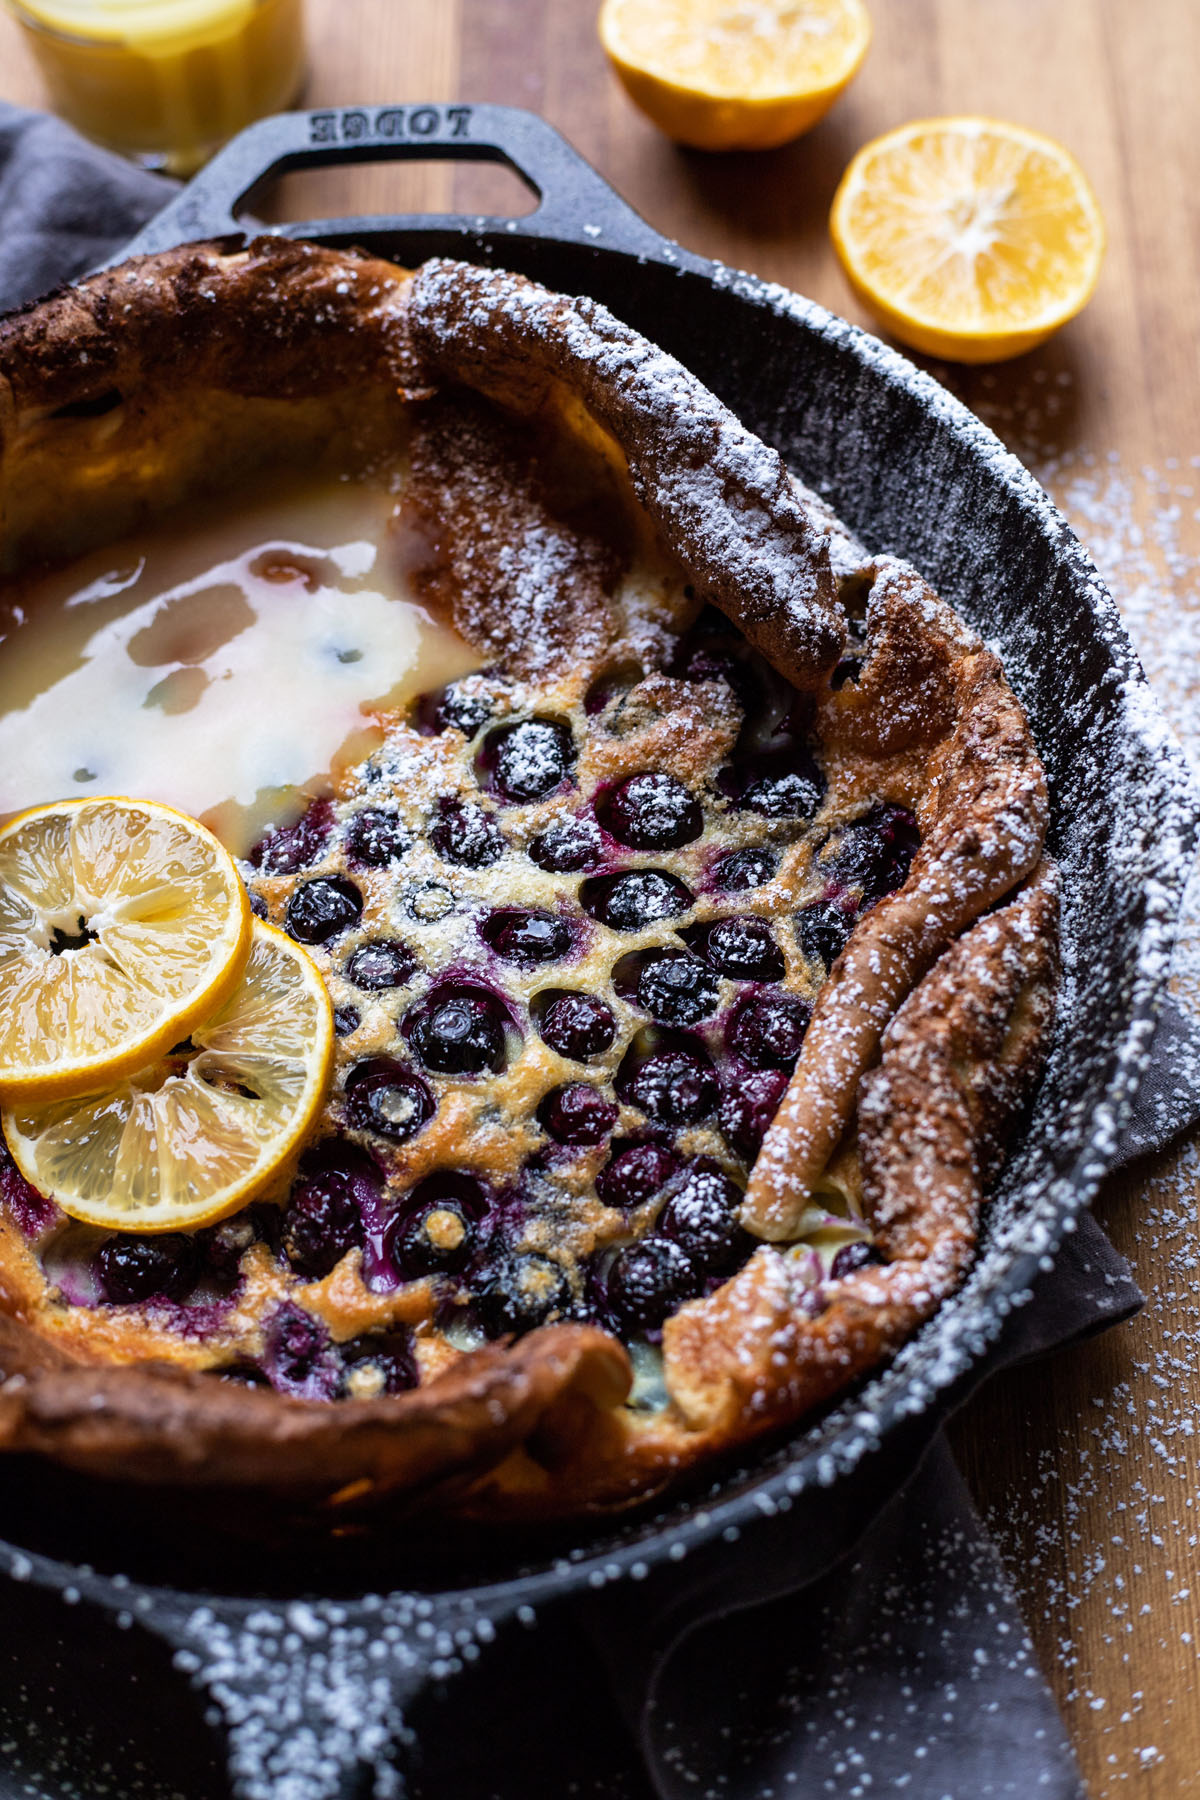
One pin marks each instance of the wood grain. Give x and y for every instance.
(1086, 1466)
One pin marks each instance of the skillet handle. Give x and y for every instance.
(573, 199)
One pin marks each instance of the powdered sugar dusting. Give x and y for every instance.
(720, 496)
(1099, 1527)
(311, 1691)
(1141, 524)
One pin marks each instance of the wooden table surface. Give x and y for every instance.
(1086, 1467)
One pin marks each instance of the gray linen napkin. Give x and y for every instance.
(802, 1662)
(64, 204)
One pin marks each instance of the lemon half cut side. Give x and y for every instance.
(968, 238)
(734, 74)
(122, 924)
(194, 1136)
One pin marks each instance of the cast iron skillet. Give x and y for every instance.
(911, 470)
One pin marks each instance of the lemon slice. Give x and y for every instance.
(195, 1135)
(968, 238)
(734, 74)
(122, 923)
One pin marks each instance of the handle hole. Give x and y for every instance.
(355, 190)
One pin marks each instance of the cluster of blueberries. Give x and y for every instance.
(451, 1224)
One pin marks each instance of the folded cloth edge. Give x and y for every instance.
(1090, 1289)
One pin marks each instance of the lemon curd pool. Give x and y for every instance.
(166, 81)
(227, 661)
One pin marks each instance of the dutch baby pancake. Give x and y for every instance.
(691, 949)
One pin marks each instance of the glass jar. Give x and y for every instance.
(166, 82)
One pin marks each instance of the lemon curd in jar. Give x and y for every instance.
(227, 661)
(166, 81)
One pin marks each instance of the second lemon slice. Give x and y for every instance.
(968, 238)
(122, 923)
(194, 1136)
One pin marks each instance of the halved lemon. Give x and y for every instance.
(195, 1135)
(734, 74)
(122, 924)
(968, 238)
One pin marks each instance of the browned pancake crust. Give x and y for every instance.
(931, 1026)
(219, 359)
(983, 825)
(720, 498)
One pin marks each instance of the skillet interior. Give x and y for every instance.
(910, 470)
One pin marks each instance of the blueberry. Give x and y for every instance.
(268, 1224)
(319, 909)
(859, 1255)
(823, 930)
(258, 906)
(742, 947)
(699, 1214)
(528, 760)
(648, 1281)
(577, 1113)
(221, 1247)
(456, 708)
(635, 899)
(459, 1031)
(709, 662)
(324, 1217)
(521, 1292)
(428, 901)
(652, 811)
(773, 771)
(634, 1174)
(525, 936)
(386, 1097)
(747, 1107)
(767, 1029)
(743, 869)
(131, 1269)
(383, 963)
(676, 989)
(322, 1225)
(336, 1204)
(298, 1357)
(435, 1229)
(711, 650)
(789, 796)
(568, 847)
(380, 1362)
(847, 671)
(346, 1019)
(374, 838)
(463, 833)
(673, 1085)
(578, 1026)
(874, 853)
(282, 850)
